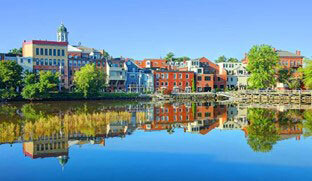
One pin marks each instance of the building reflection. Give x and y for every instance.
(95, 128)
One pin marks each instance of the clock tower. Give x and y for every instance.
(62, 34)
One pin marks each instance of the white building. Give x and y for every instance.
(237, 74)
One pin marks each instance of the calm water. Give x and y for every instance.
(145, 141)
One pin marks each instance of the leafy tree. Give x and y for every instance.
(307, 74)
(38, 87)
(89, 80)
(105, 54)
(234, 60)
(16, 51)
(170, 56)
(262, 133)
(221, 59)
(286, 76)
(181, 59)
(262, 64)
(10, 79)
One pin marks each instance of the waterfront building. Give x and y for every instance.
(209, 76)
(138, 80)
(237, 74)
(48, 56)
(25, 62)
(116, 75)
(173, 81)
(76, 60)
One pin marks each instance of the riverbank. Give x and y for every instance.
(66, 96)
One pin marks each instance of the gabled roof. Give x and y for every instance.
(73, 49)
(85, 49)
(282, 53)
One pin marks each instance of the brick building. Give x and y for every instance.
(209, 75)
(173, 81)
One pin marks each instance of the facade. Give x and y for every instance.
(208, 74)
(116, 76)
(237, 74)
(25, 62)
(138, 80)
(48, 56)
(173, 81)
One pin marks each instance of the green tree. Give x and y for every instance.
(89, 80)
(221, 59)
(262, 64)
(16, 51)
(10, 79)
(234, 60)
(169, 56)
(181, 59)
(262, 133)
(40, 86)
(307, 73)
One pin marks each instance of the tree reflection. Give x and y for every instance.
(262, 133)
(307, 124)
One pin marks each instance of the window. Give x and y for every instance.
(157, 76)
(74, 63)
(41, 62)
(58, 62)
(219, 79)
(199, 78)
(166, 76)
(46, 62)
(231, 79)
(29, 60)
(58, 52)
(174, 83)
(180, 76)
(41, 51)
(199, 114)
(50, 52)
(215, 86)
(21, 60)
(187, 84)
(180, 83)
(175, 76)
(207, 78)
(207, 114)
(37, 51)
(162, 76)
(199, 71)
(45, 51)
(63, 62)
(54, 62)
(54, 52)
(63, 52)
(50, 62)
(37, 62)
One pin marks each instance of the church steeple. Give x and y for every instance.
(62, 34)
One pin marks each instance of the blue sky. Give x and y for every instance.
(149, 28)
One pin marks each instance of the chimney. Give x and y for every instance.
(298, 52)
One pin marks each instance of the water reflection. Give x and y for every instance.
(50, 129)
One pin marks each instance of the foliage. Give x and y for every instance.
(89, 80)
(105, 54)
(10, 79)
(40, 87)
(262, 64)
(262, 133)
(193, 86)
(221, 59)
(286, 76)
(234, 60)
(307, 74)
(16, 51)
(307, 124)
(169, 56)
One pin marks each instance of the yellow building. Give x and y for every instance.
(48, 56)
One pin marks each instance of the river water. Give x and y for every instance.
(105, 140)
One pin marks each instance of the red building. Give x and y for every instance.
(210, 76)
(173, 81)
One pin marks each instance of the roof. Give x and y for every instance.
(45, 42)
(174, 71)
(71, 48)
(282, 53)
(85, 49)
